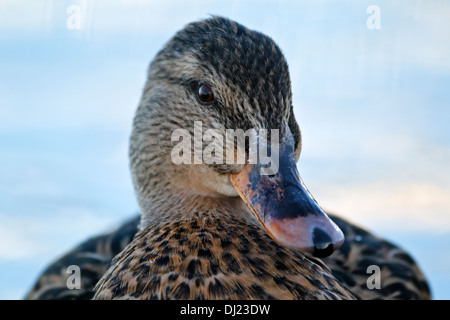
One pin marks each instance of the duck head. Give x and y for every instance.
(213, 79)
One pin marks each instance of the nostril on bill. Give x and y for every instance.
(323, 245)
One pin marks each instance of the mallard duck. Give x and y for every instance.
(226, 230)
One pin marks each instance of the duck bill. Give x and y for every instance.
(284, 207)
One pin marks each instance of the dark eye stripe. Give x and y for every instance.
(205, 94)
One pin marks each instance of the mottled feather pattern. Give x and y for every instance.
(196, 239)
(348, 264)
(401, 277)
(207, 257)
(93, 256)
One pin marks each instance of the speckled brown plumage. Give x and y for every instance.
(93, 256)
(210, 257)
(402, 278)
(196, 237)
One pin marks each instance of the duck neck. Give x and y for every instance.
(178, 205)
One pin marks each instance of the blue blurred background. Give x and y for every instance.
(373, 106)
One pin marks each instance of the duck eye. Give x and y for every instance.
(205, 94)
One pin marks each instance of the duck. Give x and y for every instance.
(244, 228)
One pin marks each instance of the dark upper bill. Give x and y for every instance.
(285, 208)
